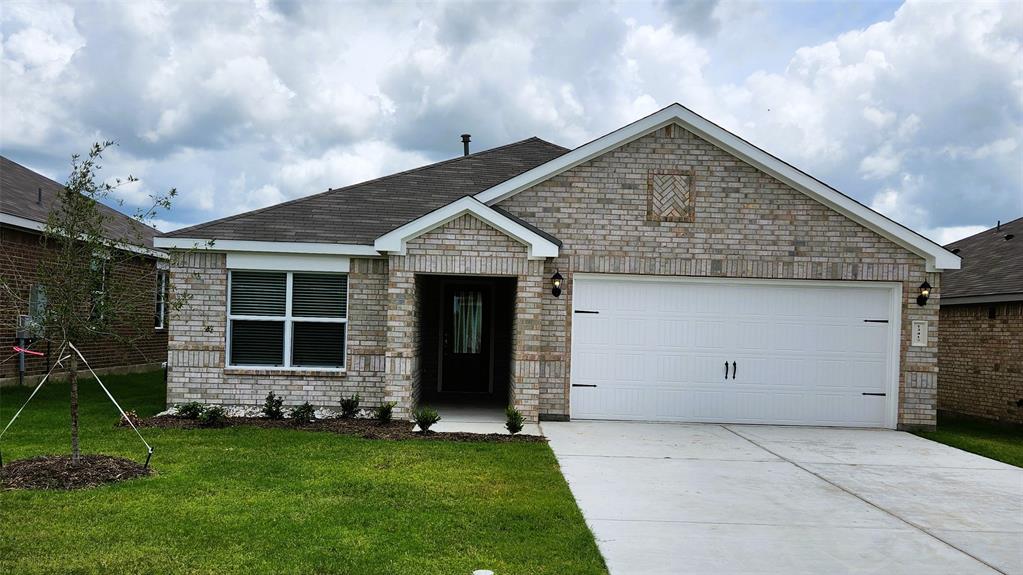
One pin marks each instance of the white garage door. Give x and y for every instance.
(786, 353)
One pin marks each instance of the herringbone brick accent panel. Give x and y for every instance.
(670, 197)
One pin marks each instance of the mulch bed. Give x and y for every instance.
(365, 428)
(58, 472)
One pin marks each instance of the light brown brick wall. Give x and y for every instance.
(980, 361)
(196, 362)
(747, 224)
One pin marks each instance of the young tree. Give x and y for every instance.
(95, 274)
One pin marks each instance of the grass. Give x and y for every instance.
(997, 442)
(248, 500)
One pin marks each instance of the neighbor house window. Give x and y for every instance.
(287, 319)
(160, 318)
(99, 276)
(37, 307)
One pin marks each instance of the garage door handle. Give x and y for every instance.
(583, 385)
(876, 394)
(726, 370)
(733, 370)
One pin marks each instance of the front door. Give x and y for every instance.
(466, 339)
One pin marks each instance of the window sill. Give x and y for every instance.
(290, 371)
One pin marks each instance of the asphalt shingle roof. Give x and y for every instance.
(19, 196)
(360, 213)
(992, 264)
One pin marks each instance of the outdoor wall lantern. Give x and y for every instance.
(556, 280)
(925, 292)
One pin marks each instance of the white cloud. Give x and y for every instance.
(882, 163)
(947, 235)
(917, 113)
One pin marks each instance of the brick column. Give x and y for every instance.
(401, 380)
(527, 342)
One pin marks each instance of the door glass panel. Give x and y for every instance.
(468, 321)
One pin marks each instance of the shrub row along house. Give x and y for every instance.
(26, 199)
(981, 345)
(667, 271)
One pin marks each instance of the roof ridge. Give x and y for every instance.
(364, 182)
(984, 231)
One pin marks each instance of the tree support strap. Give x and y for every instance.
(149, 448)
(33, 394)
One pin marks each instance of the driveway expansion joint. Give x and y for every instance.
(865, 500)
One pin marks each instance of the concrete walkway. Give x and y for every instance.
(475, 419)
(702, 498)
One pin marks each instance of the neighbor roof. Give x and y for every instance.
(360, 213)
(992, 267)
(21, 205)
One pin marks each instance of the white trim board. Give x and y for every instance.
(25, 223)
(287, 262)
(266, 247)
(395, 241)
(937, 257)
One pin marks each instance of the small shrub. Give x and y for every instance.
(350, 406)
(213, 416)
(273, 407)
(425, 417)
(302, 413)
(384, 411)
(191, 410)
(514, 423)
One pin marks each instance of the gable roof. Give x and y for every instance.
(937, 257)
(541, 245)
(992, 267)
(22, 206)
(360, 213)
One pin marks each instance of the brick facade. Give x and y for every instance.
(19, 265)
(979, 360)
(198, 333)
(746, 224)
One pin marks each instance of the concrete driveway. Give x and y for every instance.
(702, 498)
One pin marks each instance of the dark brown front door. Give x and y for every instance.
(465, 343)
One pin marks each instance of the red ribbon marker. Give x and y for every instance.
(28, 351)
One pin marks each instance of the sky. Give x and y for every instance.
(915, 109)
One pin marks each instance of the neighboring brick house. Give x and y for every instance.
(667, 271)
(980, 351)
(26, 198)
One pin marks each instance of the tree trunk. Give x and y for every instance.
(73, 378)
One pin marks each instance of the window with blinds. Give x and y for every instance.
(287, 319)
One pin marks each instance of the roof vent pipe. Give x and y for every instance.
(39, 196)
(465, 144)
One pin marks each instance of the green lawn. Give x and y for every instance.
(996, 442)
(247, 500)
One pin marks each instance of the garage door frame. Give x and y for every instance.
(894, 318)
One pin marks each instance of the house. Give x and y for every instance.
(668, 271)
(979, 351)
(26, 198)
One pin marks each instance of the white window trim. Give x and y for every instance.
(162, 282)
(288, 321)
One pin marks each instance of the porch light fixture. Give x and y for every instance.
(925, 292)
(556, 280)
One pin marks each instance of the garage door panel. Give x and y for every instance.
(657, 350)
